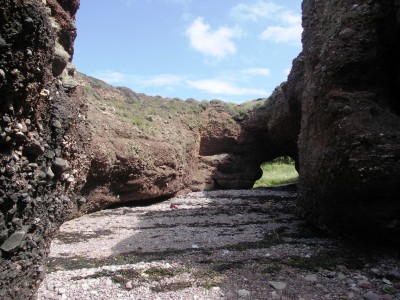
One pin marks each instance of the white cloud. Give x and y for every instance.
(289, 32)
(257, 71)
(282, 25)
(111, 77)
(216, 43)
(158, 80)
(228, 86)
(254, 12)
(163, 80)
(222, 87)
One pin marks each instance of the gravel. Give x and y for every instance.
(246, 244)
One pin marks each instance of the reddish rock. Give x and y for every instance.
(349, 143)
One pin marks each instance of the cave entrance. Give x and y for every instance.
(277, 172)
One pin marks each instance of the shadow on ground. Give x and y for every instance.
(245, 244)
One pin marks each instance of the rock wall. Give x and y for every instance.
(181, 146)
(42, 138)
(349, 142)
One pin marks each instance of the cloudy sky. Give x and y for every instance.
(204, 49)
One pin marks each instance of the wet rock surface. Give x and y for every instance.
(242, 244)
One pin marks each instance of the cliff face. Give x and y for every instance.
(349, 142)
(41, 137)
(146, 147)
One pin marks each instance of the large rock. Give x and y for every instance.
(33, 200)
(349, 143)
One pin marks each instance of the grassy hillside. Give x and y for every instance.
(141, 110)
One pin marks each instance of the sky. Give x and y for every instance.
(232, 50)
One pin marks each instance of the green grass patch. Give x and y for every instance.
(277, 173)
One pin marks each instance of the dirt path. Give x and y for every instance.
(213, 245)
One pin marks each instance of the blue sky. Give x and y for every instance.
(204, 49)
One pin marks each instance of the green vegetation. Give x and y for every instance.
(150, 113)
(174, 286)
(159, 273)
(276, 172)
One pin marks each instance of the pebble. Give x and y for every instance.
(244, 293)
(375, 271)
(331, 274)
(365, 284)
(57, 124)
(129, 285)
(278, 285)
(13, 242)
(61, 164)
(311, 278)
(371, 296)
(384, 280)
(394, 274)
(347, 33)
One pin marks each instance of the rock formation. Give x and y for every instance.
(42, 138)
(67, 149)
(147, 147)
(349, 142)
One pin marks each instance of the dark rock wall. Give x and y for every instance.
(42, 139)
(349, 142)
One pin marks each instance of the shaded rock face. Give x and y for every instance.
(349, 142)
(42, 139)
